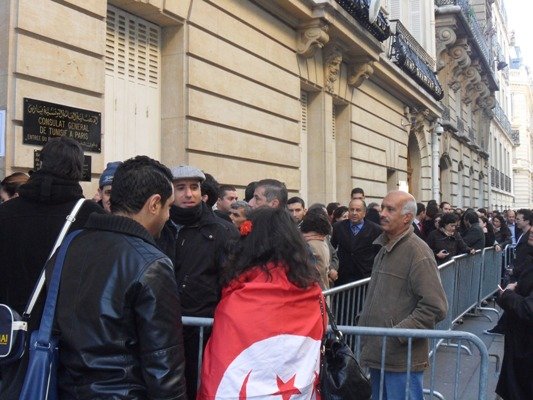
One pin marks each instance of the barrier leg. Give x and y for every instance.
(489, 309)
(449, 343)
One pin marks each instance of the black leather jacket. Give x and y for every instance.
(118, 316)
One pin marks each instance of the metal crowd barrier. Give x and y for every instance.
(435, 337)
(508, 256)
(467, 280)
(448, 273)
(346, 301)
(490, 276)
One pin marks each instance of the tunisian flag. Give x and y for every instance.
(266, 340)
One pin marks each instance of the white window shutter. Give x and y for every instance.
(415, 19)
(132, 86)
(395, 9)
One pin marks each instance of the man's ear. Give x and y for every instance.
(275, 203)
(153, 203)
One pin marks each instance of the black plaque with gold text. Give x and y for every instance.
(87, 161)
(43, 121)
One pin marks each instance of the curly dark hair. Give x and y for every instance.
(274, 238)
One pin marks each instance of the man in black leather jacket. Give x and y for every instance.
(118, 313)
(195, 238)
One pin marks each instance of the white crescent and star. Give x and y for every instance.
(283, 367)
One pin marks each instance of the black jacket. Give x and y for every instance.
(474, 236)
(515, 381)
(118, 316)
(356, 253)
(454, 245)
(197, 251)
(523, 256)
(29, 226)
(503, 237)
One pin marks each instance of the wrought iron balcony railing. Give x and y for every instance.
(407, 53)
(504, 121)
(475, 28)
(358, 9)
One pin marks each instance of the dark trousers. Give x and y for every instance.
(191, 341)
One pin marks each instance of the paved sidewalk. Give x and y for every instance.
(468, 375)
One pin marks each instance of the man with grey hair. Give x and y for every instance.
(238, 212)
(269, 193)
(404, 292)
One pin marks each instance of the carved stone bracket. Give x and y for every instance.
(459, 54)
(471, 78)
(332, 66)
(311, 37)
(419, 119)
(359, 72)
(446, 38)
(484, 94)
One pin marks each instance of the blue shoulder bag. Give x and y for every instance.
(40, 382)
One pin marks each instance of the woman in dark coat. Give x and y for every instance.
(516, 380)
(502, 233)
(445, 241)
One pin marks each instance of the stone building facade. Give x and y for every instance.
(316, 93)
(522, 123)
(502, 139)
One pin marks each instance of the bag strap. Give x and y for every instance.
(40, 283)
(332, 322)
(47, 320)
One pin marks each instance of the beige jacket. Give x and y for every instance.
(319, 247)
(405, 291)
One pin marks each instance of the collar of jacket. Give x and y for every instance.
(383, 240)
(118, 224)
(44, 187)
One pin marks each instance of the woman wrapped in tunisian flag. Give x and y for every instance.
(268, 325)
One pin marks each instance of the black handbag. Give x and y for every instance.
(14, 327)
(341, 377)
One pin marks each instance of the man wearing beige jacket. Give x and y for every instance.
(405, 292)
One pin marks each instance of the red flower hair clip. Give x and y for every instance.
(246, 228)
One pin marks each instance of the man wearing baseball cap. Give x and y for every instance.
(105, 183)
(194, 239)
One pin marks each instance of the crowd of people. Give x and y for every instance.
(158, 243)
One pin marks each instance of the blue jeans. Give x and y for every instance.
(394, 385)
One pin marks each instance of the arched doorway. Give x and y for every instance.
(414, 167)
